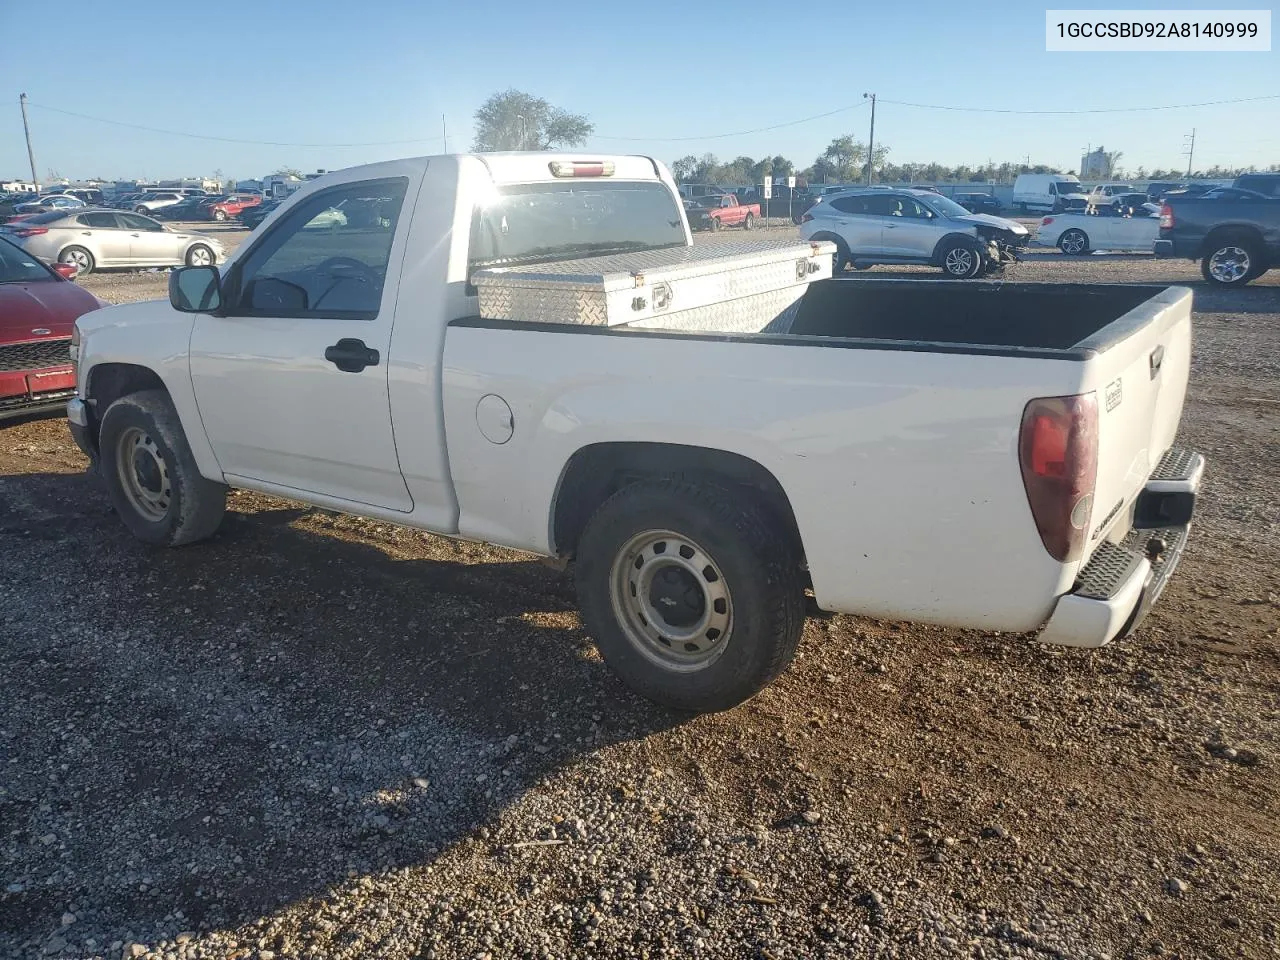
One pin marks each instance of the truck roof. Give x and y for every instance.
(528, 166)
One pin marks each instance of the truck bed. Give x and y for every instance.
(1019, 316)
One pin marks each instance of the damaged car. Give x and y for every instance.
(876, 226)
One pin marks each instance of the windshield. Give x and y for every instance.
(540, 221)
(947, 208)
(17, 266)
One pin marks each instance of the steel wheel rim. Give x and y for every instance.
(143, 474)
(200, 257)
(959, 261)
(77, 257)
(1229, 264)
(671, 600)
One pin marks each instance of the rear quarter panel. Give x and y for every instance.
(901, 466)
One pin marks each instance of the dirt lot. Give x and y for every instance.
(318, 736)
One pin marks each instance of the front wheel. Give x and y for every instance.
(1232, 263)
(961, 260)
(714, 225)
(691, 594)
(151, 476)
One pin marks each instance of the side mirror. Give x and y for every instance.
(67, 271)
(195, 289)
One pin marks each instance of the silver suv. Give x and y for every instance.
(876, 225)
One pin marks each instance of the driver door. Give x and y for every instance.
(292, 383)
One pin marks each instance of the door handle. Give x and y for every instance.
(350, 355)
(891, 226)
(85, 233)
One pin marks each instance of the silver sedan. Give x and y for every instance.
(95, 238)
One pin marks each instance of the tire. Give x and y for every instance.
(142, 210)
(1232, 262)
(841, 258)
(960, 259)
(1074, 242)
(220, 215)
(151, 476)
(713, 225)
(749, 223)
(198, 255)
(81, 258)
(733, 588)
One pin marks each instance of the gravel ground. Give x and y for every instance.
(325, 737)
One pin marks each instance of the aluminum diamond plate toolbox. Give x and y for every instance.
(742, 286)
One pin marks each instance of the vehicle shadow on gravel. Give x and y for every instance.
(208, 734)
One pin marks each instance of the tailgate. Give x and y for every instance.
(1140, 375)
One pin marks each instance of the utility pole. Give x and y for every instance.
(1191, 149)
(871, 141)
(31, 157)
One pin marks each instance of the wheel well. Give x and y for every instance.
(108, 382)
(1233, 232)
(949, 239)
(596, 472)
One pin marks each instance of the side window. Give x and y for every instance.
(99, 220)
(328, 257)
(132, 221)
(853, 205)
(914, 209)
(881, 206)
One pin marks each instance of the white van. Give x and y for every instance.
(1048, 191)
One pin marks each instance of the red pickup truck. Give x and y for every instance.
(717, 212)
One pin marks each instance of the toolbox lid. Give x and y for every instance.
(619, 271)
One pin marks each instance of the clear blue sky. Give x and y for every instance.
(341, 71)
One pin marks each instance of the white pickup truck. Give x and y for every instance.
(994, 456)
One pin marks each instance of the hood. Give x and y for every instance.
(144, 313)
(48, 305)
(1000, 223)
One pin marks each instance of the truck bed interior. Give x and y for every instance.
(1037, 316)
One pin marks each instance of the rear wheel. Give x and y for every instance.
(220, 215)
(691, 594)
(1074, 242)
(151, 476)
(80, 258)
(961, 260)
(1232, 262)
(749, 223)
(841, 258)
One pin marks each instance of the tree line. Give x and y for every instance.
(515, 120)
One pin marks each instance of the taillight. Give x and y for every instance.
(1166, 217)
(1058, 454)
(806, 218)
(30, 231)
(1046, 221)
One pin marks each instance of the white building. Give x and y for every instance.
(17, 186)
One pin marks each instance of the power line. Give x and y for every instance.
(202, 136)
(1170, 106)
(737, 133)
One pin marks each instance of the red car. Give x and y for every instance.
(231, 207)
(38, 307)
